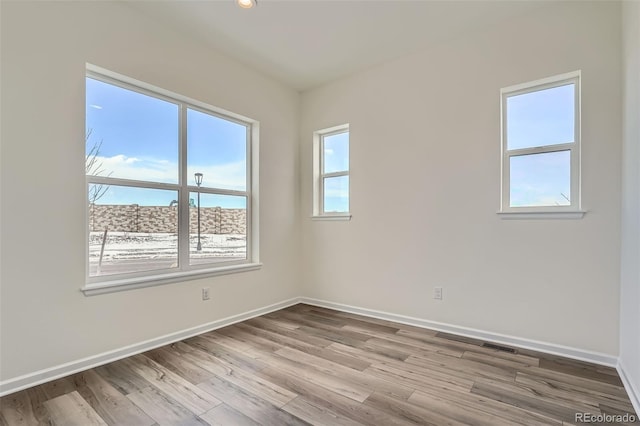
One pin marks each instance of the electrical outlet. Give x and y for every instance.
(437, 293)
(205, 293)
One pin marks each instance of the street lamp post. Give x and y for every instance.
(198, 177)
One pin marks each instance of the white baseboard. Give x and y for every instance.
(549, 348)
(45, 375)
(48, 374)
(630, 387)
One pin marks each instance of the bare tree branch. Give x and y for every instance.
(93, 166)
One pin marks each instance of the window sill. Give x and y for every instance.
(542, 215)
(150, 281)
(332, 217)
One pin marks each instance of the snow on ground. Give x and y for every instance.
(138, 245)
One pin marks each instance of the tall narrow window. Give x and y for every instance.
(541, 146)
(331, 173)
(169, 185)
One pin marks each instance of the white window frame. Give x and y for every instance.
(184, 271)
(572, 211)
(319, 176)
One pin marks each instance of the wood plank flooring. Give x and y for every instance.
(309, 365)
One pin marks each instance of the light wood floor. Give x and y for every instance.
(306, 365)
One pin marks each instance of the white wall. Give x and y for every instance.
(45, 319)
(425, 141)
(630, 289)
(425, 184)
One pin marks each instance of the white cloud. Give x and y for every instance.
(226, 176)
(121, 166)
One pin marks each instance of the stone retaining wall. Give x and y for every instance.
(162, 219)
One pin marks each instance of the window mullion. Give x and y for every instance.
(541, 149)
(217, 191)
(336, 174)
(105, 180)
(183, 216)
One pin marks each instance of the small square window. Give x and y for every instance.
(541, 146)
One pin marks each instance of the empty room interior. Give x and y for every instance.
(270, 212)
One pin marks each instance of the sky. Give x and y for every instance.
(545, 117)
(139, 140)
(336, 159)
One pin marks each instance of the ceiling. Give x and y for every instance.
(306, 43)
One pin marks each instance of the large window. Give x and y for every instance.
(169, 185)
(541, 146)
(331, 173)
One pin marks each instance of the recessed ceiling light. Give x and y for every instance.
(247, 4)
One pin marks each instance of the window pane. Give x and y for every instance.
(541, 179)
(336, 194)
(222, 235)
(543, 117)
(130, 135)
(140, 226)
(336, 153)
(217, 148)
